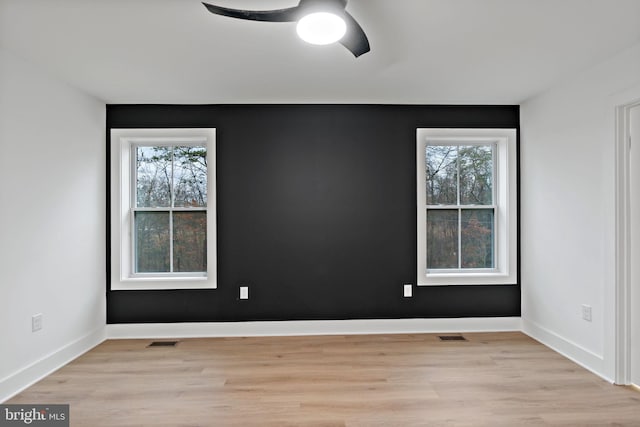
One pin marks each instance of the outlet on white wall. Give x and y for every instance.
(244, 292)
(36, 322)
(586, 312)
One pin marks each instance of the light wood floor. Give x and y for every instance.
(497, 379)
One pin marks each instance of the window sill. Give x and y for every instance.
(453, 279)
(163, 283)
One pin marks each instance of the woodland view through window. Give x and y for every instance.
(460, 206)
(170, 212)
(466, 206)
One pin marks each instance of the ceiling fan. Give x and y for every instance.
(319, 22)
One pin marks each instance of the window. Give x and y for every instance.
(163, 208)
(466, 206)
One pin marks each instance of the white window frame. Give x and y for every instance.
(505, 204)
(123, 275)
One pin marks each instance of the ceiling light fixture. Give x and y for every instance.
(319, 22)
(321, 28)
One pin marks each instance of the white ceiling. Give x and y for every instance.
(422, 51)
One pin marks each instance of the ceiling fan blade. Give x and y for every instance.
(355, 39)
(290, 14)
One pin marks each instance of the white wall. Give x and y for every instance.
(568, 210)
(52, 222)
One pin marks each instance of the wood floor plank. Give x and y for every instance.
(492, 379)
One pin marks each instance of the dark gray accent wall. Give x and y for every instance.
(316, 214)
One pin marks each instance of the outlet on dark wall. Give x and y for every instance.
(316, 213)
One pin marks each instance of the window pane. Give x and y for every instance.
(153, 177)
(477, 238)
(189, 241)
(152, 242)
(442, 238)
(190, 176)
(476, 174)
(442, 186)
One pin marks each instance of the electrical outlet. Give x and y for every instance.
(244, 292)
(408, 290)
(36, 322)
(586, 312)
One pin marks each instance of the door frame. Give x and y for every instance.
(622, 304)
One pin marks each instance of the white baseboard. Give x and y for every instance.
(29, 375)
(313, 327)
(572, 351)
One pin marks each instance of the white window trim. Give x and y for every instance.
(505, 189)
(122, 272)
